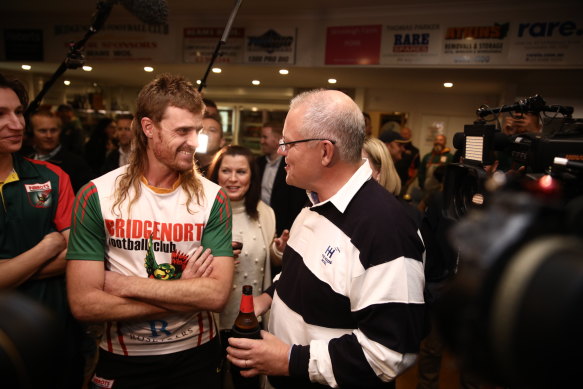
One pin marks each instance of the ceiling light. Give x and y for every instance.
(26, 67)
(67, 82)
(148, 69)
(448, 84)
(217, 70)
(255, 82)
(283, 71)
(254, 109)
(198, 82)
(87, 68)
(332, 81)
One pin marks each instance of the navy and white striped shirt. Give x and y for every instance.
(350, 294)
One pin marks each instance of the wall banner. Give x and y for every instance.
(270, 46)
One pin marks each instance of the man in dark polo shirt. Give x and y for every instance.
(34, 228)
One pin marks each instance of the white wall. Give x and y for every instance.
(451, 109)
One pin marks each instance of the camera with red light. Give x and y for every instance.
(514, 305)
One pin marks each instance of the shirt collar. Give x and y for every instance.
(46, 157)
(275, 161)
(342, 198)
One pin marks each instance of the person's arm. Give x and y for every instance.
(62, 222)
(90, 299)
(86, 270)
(57, 265)
(388, 307)
(277, 247)
(15, 271)
(89, 302)
(208, 293)
(262, 303)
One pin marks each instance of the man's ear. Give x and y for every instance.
(147, 126)
(328, 153)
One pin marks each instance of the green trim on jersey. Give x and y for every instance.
(217, 234)
(87, 239)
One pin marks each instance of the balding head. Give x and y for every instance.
(331, 114)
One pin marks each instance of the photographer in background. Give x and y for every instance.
(520, 123)
(517, 123)
(440, 155)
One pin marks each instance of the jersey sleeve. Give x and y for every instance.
(87, 238)
(62, 218)
(217, 234)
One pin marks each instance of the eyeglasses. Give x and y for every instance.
(286, 146)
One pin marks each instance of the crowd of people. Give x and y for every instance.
(145, 253)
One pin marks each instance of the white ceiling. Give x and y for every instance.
(491, 82)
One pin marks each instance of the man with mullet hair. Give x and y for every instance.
(347, 309)
(156, 305)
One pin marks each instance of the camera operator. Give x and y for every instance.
(521, 123)
(511, 314)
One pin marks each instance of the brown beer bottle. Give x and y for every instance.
(246, 324)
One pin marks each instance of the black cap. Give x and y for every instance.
(389, 136)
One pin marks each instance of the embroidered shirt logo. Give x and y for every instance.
(102, 383)
(328, 253)
(39, 194)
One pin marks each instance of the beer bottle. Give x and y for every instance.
(245, 326)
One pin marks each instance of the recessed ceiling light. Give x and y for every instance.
(217, 70)
(148, 69)
(198, 82)
(67, 82)
(87, 68)
(255, 82)
(283, 71)
(26, 67)
(332, 81)
(448, 84)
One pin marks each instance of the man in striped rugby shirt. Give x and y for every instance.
(347, 310)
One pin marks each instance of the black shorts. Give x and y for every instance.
(190, 369)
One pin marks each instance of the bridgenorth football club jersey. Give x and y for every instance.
(154, 241)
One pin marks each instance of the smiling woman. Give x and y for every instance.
(234, 168)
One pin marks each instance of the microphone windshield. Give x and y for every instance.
(459, 140)
(148, 11)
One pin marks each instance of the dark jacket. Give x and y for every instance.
(111, 162)
(287, 201)
(74, 165)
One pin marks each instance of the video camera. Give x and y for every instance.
(513, 313)
(482, 145)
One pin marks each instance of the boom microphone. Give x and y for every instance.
(148, 11)
(534, 104)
